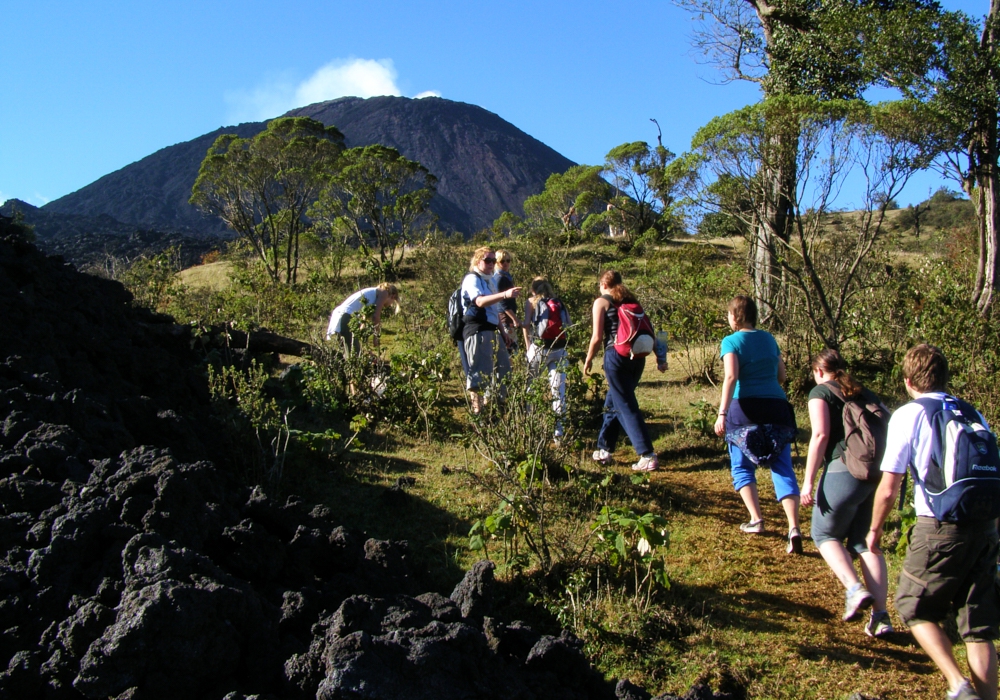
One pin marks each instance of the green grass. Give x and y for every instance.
(739, 613)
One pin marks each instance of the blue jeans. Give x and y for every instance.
(621, 408)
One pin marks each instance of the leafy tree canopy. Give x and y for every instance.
(382, 199)
(262, 186)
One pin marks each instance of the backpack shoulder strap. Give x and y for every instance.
(931, 406)
(837, 391)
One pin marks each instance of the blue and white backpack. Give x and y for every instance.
(963, 479)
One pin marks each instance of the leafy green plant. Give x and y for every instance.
(150, 279)
(258, 425)
(514, 437)
(633, 544)
(500, 526)
(701, 418)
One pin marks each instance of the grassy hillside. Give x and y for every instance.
(733, 610)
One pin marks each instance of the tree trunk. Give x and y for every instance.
(770, 232)
(990, 188)
(986, 151)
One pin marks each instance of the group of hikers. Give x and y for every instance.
(860, 452)
(862, 455)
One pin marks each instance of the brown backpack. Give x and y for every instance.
(866, 425)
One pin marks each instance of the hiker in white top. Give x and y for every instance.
(484, 351)
(950, 566)
(376, 297)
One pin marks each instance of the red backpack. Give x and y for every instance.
(636, 337)
(550, 319)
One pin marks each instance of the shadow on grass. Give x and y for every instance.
(751, 611)
(374, 496)
(902, 651)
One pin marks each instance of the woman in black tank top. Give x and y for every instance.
(622, 374)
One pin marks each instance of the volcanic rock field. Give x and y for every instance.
(133, 567)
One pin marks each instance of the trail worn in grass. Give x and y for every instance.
(741, 614)
(755, 616)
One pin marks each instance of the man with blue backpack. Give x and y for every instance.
(951, 563)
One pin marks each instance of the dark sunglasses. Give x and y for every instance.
(489, 260)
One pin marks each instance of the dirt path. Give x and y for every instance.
(769, 619)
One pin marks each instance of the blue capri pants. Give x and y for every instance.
(782, 473)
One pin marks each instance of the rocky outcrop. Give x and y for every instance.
(92, 242)
(132, 567)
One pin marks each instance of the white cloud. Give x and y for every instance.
(427, 93)
(358, 77)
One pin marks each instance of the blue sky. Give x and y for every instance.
(91, 87)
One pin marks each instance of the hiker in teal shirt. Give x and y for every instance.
(756, 418)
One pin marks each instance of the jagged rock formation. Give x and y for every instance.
(132, 567)
(484, 165)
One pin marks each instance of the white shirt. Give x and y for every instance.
(474, 285)
(910, 441)
(351, 305)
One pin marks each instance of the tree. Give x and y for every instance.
(580, 190)
(263, 186)
(966, 95)
(826, 270)
(647, 183)
(381, 198)
(821, 48)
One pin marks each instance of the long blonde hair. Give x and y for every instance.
(541, 288)
(393, 292)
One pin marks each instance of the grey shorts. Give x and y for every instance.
(950, 569)
(843, 508)
(343, 330)
(486, 355)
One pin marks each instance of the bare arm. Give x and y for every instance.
(381, 297)
(819, 417)
(597, 335)
(782, 372)
(489, 299)
(731, 364)
(885, 496)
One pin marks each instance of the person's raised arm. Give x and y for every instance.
(597, 335)
(819, 418)
(731, 364)
(488, 299)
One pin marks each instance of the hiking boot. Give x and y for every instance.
(794, 541)
(602, 457)
(754, 527)
(879, 625)
(646, 463)
(857, 599)
(964, 692)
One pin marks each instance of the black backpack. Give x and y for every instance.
(456, 313)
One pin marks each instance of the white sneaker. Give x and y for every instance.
(602, 456)
(648, 463)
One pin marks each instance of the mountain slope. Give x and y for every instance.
(484, 165)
